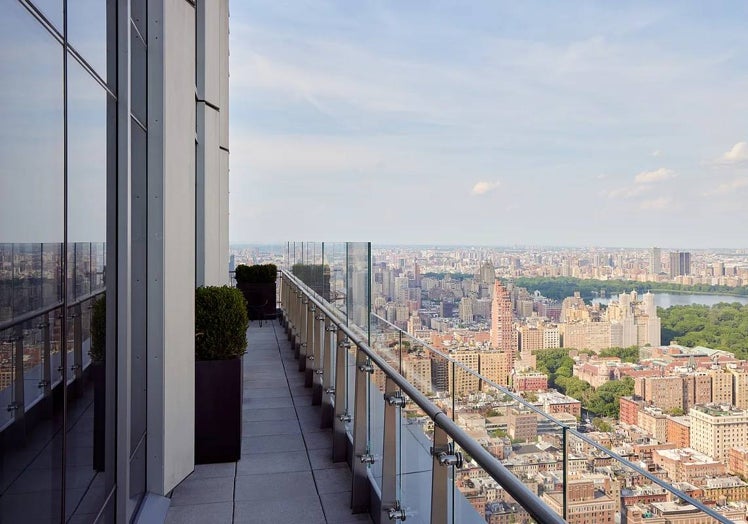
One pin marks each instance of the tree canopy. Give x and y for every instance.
(722, 326)
(559, 288)
(603, 401)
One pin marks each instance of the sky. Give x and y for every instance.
(490, 122)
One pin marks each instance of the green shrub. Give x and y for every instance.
(220, 323)
(257, 274)
(98, 330)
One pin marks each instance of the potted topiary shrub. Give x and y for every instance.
(257, 283)
(220, 341)
(97, 351)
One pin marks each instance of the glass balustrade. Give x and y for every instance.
(415, 453)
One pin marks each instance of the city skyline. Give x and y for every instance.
(502, 124)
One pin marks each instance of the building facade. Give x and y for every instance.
(114, 171)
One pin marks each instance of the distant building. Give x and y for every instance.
(585, 504)
(715, 429)
(530, 381)
(655, 261)
(680, 263)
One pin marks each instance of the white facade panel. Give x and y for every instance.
(171, 247)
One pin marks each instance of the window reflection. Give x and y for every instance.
(87, 24)
(51, 10)
(31, 155)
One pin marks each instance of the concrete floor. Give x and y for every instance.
(286, 474)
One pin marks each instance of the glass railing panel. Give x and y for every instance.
(6, 281)
(52, 274)
(477, 498)
(334, 254)
(82, 269)
(98, 262)
(358, 284)
(7, 376)
(312, 270)
(601, 487)
(27, 270)
(386, 341)
(33, 361)
(414, 471)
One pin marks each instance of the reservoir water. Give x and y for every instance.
(665, 300)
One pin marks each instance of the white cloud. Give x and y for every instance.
(657, 203)
(627, 192)
(658, 175)
(736, 155)
(483, 187)
(656, 153)
(728, 187)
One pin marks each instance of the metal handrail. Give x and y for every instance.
(539, 511)
(31, 315)
(570, 431)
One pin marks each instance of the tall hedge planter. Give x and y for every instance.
(257, 284)
(220, 341)
(218, 410)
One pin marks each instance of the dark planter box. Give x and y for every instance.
(260, 299)
(98, 377)
(218, 410)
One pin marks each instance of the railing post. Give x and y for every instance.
(47, 365)
(319, 348)
(328, 386)
(393, 401)
(440, 482)
(282, 298)
(311, 339)
(77, 365)
(342, 417)
(294, 327)
(360, 495)
(304, 332)
(18, 405)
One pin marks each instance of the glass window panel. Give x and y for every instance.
(87, 156)
(87, 25)
(52, 11)
(31, 153)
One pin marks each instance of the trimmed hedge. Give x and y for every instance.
(220, 323)
(98, 330)
(257, 274)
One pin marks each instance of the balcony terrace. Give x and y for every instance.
(286, 474)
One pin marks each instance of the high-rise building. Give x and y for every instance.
(502, 336)
(680, 263)
(655, 261)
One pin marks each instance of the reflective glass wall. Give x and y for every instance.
(57, 105)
